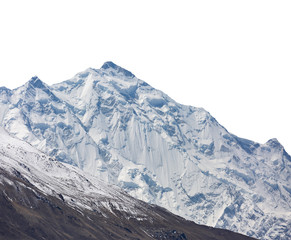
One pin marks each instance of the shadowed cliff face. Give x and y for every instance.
(26, 213)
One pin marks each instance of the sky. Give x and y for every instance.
(233, 58)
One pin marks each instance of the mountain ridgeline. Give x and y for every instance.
(116, 127)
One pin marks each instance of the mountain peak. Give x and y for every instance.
(5, 93)
(118, 69)
(109, 64)
(36, 82)
(274, 143)
(4, 89)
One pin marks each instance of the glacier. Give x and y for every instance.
(117, 127)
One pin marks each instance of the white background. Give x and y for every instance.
(232, 58)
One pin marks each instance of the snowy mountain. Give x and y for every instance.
(117, 127)
(41, 198)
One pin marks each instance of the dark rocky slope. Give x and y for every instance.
(26, 213)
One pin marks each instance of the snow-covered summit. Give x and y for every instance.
(4, 89)
(112, 66)
(36, 82)
(274, 143)
(116, 126)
